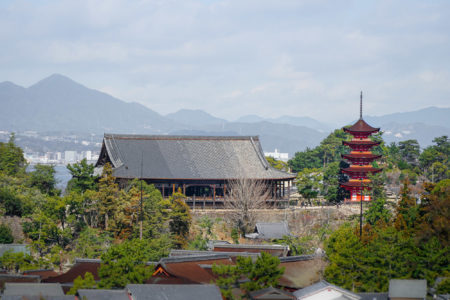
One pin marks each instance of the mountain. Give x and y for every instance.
(430, 116)
(59, 103)
(290, 120)
(195, 118)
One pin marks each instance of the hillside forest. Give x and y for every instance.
(405, 233)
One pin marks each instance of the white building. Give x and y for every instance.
(278, 155)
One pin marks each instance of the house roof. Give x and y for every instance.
(93, 294)
(322, 286)
(174, 291)
(373, 296)
(187, 157)
(275, 250)
(37, 297)
(271, 293)
(300, 271)
(275, 230)
(81, 267)
(32, 289)
(408, 288)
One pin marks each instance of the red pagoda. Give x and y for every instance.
(360, 159)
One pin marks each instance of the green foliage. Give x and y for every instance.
(297, 245)
(310, 159)
(277, 164)
(127, 262)
(108, 196)
(263, 273)
(18, 262)
(180, 220)
(443, 287)
(87, 282)
(43, 177)
(6, 236)
(416, 246)
(205, 234)
(83, 178)
(308, 183)
(91, 243)
(235, 235)
(12, 161)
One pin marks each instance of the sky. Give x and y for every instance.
(232, 58)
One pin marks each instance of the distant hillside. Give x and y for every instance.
(291, 120)
(59, 103)
(430, 116)
(195, 118)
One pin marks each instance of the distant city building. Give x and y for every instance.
(70, 156)
(278, 155)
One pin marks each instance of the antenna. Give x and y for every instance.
(360, 107)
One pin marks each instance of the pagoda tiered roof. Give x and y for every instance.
(361, 169)
(361, 127)
(356, 184)
(361, 155)
(358, 143)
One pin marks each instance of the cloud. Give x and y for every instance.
(233, 57)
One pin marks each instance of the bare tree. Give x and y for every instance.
(244, 197)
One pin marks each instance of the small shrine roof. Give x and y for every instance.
(356, 142)
(360, 155)
(361, 169)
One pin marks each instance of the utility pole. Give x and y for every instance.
(140, 204)
(360, 213)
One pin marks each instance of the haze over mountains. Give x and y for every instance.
(59, 104)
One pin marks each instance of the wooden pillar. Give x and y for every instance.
(276, 190)
(193, 203)
(184, 189)
(173, 188)
(224, 190)
(163, 193)
(214, 196)
(289, 189)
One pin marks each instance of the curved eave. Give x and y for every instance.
(353, 170)
(360, 156)
(355, 132)
(360, 143)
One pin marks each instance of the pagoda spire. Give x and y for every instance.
(360, 106)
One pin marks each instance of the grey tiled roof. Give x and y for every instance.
(103, 294)
(174, 291)
(373, 296)
(272, 230)
(63, 297)
(321, 285)
(187, 157)
(408, 288)
(32, 289)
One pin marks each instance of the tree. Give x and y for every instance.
(127, 262)
(310, 158)
(263, 273)
(409, 151)
(88, 282)
(108, 195)
(277, 164)
(180, 220)
(91, 243)
(43, 178)
(83, 178)
(245, 196)
(12, 161)
(6, 236)
(308, 183)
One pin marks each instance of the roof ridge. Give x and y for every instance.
(178, 137)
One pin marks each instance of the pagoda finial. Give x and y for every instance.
(360, 106)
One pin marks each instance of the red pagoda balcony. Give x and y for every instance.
(358, 172)
(361, 158)
(358, 145)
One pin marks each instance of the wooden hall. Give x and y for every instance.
(201, 166)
